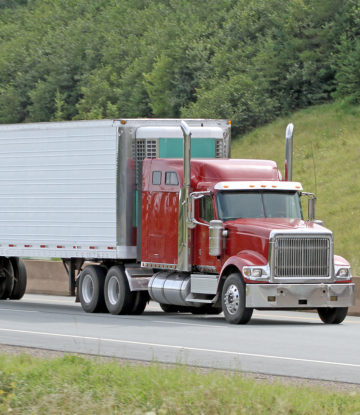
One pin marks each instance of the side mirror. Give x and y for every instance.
(311, 208)
(216, 234)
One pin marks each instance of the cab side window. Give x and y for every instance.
(171, 178)
(206, 209)
(156, 177)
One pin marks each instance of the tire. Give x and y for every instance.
(118, 297)
(91, 289)
(233, 300)
(140, 301)
(171, 308)
(332, 315)
(6, 278)
(20, 278)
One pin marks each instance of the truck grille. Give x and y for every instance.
(302, 257)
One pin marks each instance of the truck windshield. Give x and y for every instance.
(258, 204)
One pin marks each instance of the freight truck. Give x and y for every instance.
(159, 211)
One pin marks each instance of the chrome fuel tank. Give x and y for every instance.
(170, 288)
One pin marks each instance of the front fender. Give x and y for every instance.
(241, 260)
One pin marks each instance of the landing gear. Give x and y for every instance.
(332, 315)
(233, 300)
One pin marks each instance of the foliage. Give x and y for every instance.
(75, 385)
(248, 60)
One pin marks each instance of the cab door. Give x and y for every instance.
(204, 211)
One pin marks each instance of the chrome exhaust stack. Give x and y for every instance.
(187, 154)
(289, 152)
(184, 253)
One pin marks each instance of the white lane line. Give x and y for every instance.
(196, 349)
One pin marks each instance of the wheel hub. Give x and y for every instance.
(113, 290)
(232, 299)
(88, 288)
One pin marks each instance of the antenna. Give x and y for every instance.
(312, 151)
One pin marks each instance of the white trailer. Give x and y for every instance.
(70, 189)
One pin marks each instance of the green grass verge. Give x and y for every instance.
(329, 138)
(76, 385)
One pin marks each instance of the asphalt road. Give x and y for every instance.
(274, 342)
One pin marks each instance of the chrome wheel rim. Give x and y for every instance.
(88, 288)
(113, 290)
(232, 299)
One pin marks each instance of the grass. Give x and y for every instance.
(76, 385)
(326, 141)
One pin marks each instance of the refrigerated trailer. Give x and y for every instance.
(70, 190)
(162, 212)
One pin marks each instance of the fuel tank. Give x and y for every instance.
(170, 287)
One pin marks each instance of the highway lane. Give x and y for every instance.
(276, 342)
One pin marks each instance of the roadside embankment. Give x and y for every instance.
(76, 384)
(49, 277)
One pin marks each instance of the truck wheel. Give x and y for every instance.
(6, 278)
(118, 297)
(91, 289)
(141, 298)
(233, 300)
(20, 278)
(332, 315)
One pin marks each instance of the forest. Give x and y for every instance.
(251, 61)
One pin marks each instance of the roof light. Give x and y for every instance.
(274, 186)
(263, 185)
(229, 122)
(226, 187)
(251, 185)
(123, 122)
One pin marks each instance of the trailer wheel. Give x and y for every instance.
(20, 278)
(118, 297)
(91, 289)
(141, 298)
(233, 300)
(6, 278)
(332, 315)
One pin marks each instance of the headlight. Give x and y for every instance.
(343, 273)
(262, 273)
(257, 273)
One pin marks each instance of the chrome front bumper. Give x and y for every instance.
(299, 295)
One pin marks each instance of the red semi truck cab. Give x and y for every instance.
(231, 237)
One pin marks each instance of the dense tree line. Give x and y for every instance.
(247, 60)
